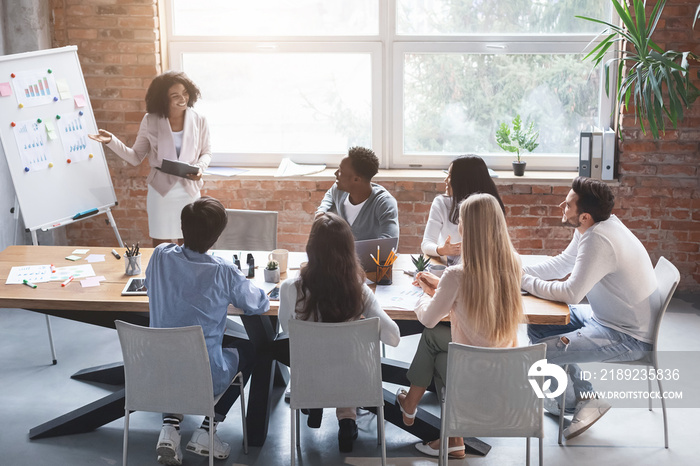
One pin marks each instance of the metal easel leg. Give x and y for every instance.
(114, 227)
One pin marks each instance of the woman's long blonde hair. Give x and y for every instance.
(491, 288)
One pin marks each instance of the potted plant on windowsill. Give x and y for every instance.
(521, 137)
(657, 81)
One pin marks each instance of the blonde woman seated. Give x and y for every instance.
(330, 288)
(466, 175)
(482, 297)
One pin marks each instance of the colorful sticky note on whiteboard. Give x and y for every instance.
(79, 101)
(63, 89)
(50, 131)
(5, 89)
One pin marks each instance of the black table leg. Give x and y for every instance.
(83, 419)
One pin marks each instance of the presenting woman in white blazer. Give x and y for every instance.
(171, 130)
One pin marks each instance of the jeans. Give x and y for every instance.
(588, 341)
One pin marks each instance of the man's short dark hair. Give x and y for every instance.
(594, 198)
(157, 99)
(364, 162)
(202, 223)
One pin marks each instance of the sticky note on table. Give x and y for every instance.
(73, 258)
(88, 282)
(95, 258)
(80, 251)
(63, 89)
(5, 89)
(79, 101)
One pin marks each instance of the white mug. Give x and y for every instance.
(437, 269)
(281, 256)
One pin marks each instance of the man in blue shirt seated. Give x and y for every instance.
(371, 210)
(187, 287)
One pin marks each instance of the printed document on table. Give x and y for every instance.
(31, 273)
(398, 296)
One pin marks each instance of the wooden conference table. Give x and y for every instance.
(102, 305)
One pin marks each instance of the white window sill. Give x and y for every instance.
(552, 178)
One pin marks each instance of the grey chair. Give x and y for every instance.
(335, 365)
(249, 230)
(166, 370)
(667, 278)
(487, 394)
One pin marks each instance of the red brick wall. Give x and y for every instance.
(658, 196)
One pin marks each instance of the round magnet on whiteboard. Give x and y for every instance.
(58, 117)
(26, 169)
(55, 99)
(13, 124)
(91, 156)
(12, 75)
(21, 105)
(38, 120)
(68, 161)
(80, 113)
(49, 71)
(50, 165)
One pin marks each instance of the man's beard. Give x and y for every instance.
(569, 222)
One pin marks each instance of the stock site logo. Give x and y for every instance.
(542, 368)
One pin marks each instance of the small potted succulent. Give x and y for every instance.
(421, 262)
(272, 272)
(522, 137)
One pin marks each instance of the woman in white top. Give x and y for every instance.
(170, 130)
(466, 175)
(330, 288)
(481, 295)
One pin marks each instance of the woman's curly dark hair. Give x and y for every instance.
(157, 100)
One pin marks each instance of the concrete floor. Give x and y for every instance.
(32, 391)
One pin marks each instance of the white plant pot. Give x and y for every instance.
(272, 276)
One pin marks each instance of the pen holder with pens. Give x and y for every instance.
(384, 274)
(132, 265)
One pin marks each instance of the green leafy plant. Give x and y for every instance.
(520, 138)
(651, 71)
(421, 262)
(272, 265)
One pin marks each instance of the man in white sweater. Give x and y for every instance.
(607, 264)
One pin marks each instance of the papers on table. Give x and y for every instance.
(289, 168)
(43, 273)
(75, 271)
(95, 258)
(31, 273)
(398, 296)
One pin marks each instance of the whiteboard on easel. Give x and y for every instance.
(59, 174)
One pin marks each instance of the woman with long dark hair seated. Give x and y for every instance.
(330, 288)
(466, 175)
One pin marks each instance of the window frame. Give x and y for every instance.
(387, 50)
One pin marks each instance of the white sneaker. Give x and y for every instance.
(168, 447)
(200, 445)
(586, 414)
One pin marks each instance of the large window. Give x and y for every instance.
(418, 81)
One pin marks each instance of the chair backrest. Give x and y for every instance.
(488, 394)
(335, 364)
(667, 279)
(166, 369)
(249, 230)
